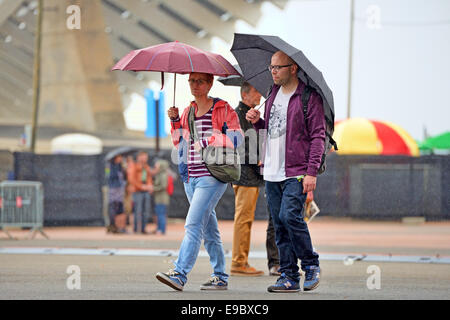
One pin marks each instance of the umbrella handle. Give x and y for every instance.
(174, 88)
(262, 104)
(270, 93)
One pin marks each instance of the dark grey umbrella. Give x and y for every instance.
(254, 52)
(233, 80)
(124, 151)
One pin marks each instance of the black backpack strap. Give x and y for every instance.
(306, 95)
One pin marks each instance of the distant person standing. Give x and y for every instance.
(161, 195)
(140, 177)
(246, 190)
(128, 201)
(293, 153)
(116, 194)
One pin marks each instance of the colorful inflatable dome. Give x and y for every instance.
(363, 136)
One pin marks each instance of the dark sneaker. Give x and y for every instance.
(214, 283)
(284, 285)
(172, 279)
(312, 278)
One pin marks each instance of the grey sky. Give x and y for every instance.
(401, 72)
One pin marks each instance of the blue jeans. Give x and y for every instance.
(285, 200)
(160, 210)
(203, 194)
(141, 209)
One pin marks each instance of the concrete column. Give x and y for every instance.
(78, 90)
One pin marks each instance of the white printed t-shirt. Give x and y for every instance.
(274, 160)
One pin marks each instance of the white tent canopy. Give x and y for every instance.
(76, 143)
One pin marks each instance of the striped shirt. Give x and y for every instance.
(196, 165)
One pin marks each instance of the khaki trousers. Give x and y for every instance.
(245, 205)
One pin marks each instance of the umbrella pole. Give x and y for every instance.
(174, 88)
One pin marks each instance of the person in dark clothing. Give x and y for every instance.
(246, 190)
(116, 193)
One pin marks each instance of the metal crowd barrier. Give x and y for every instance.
(22, 206)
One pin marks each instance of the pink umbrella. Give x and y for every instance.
(175, 57)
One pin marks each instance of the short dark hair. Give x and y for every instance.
(246, 87)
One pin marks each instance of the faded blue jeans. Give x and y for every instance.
(285, 200)
(160, 210)
(203, 194)
(141, 201)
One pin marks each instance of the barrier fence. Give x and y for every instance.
(22, 206)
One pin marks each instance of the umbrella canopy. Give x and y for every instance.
(176, 57)
(124, 151)
(441, 142)
(363, 136)
(233, 80)
(254, 53)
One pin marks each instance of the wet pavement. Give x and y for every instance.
(124, 266)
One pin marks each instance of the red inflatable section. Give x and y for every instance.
(392, 142)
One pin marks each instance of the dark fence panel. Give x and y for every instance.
(369, 187)
(72, 186)
(385, 187)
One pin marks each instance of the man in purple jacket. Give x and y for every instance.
(292, 154)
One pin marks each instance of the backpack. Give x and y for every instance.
(170, 186)
(329, 128)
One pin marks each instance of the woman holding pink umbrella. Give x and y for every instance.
(202, 189)
(215, 124)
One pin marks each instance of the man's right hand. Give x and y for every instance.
(253, 116)
(173, 113)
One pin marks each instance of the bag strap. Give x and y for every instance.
(306, 95)
(191, 124)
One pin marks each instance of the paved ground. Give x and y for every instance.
(132, 277)
(104, 277)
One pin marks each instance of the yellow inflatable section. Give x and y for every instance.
(357, 136)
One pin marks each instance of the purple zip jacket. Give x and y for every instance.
(304, 145)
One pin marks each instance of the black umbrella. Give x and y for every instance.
(124, 151)
(254, 53)
(233, 80)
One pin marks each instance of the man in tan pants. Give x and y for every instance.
(246, 190)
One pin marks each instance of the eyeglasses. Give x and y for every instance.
(277, 68)
(199, 81)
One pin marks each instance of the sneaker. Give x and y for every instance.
(275, 271)
(172, 279)
(246, 271)
(312, 278)
(284, 284)
(214, 283)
